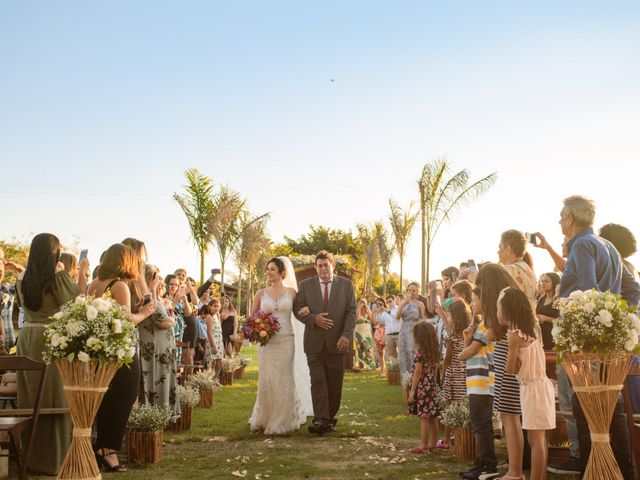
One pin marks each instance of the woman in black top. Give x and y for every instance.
(545, 310)
(229, 324)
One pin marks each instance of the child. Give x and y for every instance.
(214, 334)
(526, 359)
(478, 354)
(424, 392)
(454, 387)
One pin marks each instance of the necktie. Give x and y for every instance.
(325, 299)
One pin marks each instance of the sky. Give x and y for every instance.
(317, 112)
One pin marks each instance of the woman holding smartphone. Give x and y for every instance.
(410, 311)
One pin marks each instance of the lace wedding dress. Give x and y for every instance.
(284, 388)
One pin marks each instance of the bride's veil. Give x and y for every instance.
(300, 367)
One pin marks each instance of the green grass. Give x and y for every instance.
(372, 442)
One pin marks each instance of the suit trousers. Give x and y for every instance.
(327, 372)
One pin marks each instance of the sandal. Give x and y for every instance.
(442, 445)
(101, 458)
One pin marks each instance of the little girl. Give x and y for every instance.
(214, 334)
(526, 359)
(454, 386)
(424, 392)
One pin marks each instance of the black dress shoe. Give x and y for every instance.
(317, 428)
(333, 422)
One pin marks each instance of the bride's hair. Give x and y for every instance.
(280, 266)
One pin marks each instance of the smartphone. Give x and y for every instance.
(531, 238)
(215, 271)
(83, 254)
(472, 265)
(146, 299)
(439, 284)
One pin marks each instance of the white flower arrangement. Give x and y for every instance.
(457, 415)
(203, 380)
(306, 260)
(188, 396)
(392, 364)
(148, 418)
(91, 328)
(595, 322)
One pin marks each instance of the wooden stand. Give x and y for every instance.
(465, 444)
(226, 378)
(144, 447)
(239, 373)
(206, 399)
(393, 378)
(183, 424)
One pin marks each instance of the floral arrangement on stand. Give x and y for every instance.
(188, 397)
(261, 327)
(206, 383)
(596, 334)
(242, 362)
(145, 433)
(457, 416)
(393, 371)
(88, 340)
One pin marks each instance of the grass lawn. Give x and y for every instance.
(372, 442)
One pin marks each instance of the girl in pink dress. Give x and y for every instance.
(527, 361)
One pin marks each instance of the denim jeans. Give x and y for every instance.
(481, 413)
(565, 395)
(620, 441)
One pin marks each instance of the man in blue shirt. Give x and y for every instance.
(593, 262)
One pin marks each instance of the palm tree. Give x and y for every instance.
(251, 244)
(385, 251)
(225, 224)
(367, 239)
(197, 205)
(440, 197)
(402, 223)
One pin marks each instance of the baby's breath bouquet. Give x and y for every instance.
(188, 396)
(456, 415)
(595, 322)
(203, 380)
(148, 418)
(91, 328)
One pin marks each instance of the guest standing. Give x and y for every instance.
(409, 312)
(229, 319)
(545, 310)
(118, 274)
(41, 290)
(364, 338)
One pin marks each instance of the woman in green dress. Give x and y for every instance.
(365, 356)
(43, 288)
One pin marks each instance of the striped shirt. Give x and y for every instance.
(480, 376)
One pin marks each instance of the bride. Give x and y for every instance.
(284, 385)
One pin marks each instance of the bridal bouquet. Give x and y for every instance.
(260, 327)
(91, 328)
(595, 322)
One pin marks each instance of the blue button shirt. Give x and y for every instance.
(594, 262)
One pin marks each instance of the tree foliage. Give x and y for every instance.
(336, 241)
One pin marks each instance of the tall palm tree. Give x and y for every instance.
(251, 244)
(225, 224)
(367, 239)
(197, 205)
(402, 223)
(384, 245)
(441, 196)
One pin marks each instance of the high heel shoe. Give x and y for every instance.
(101, 458)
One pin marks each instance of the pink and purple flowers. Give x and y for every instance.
(260, 327)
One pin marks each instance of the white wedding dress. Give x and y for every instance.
(284, 386)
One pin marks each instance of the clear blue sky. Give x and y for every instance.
(103, 105)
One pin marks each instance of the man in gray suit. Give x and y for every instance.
(326, 305)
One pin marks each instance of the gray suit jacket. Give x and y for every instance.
(341, 309)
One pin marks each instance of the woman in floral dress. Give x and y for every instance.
(211, 316)
(365, 355)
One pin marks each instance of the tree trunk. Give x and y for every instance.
(221, 276)
(384, 285)
(428, 261)
(201, 266)
(424, 278)
(239, 299)
(401, 265)
(249, 293)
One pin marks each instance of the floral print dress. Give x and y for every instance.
(364, 345)
(218, 339)
(428, 391)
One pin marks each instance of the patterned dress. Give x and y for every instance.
(410, 315)
(158, 361)
(218, 339)
(454, 386)
(364, 345)
(428, 391)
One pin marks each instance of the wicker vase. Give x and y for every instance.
(465, 444)
(393, 378)
(226, 378)
(239, 373)
(84, 383)
(597, 381)
(206, 398)
(183, 424)
(144, 447)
